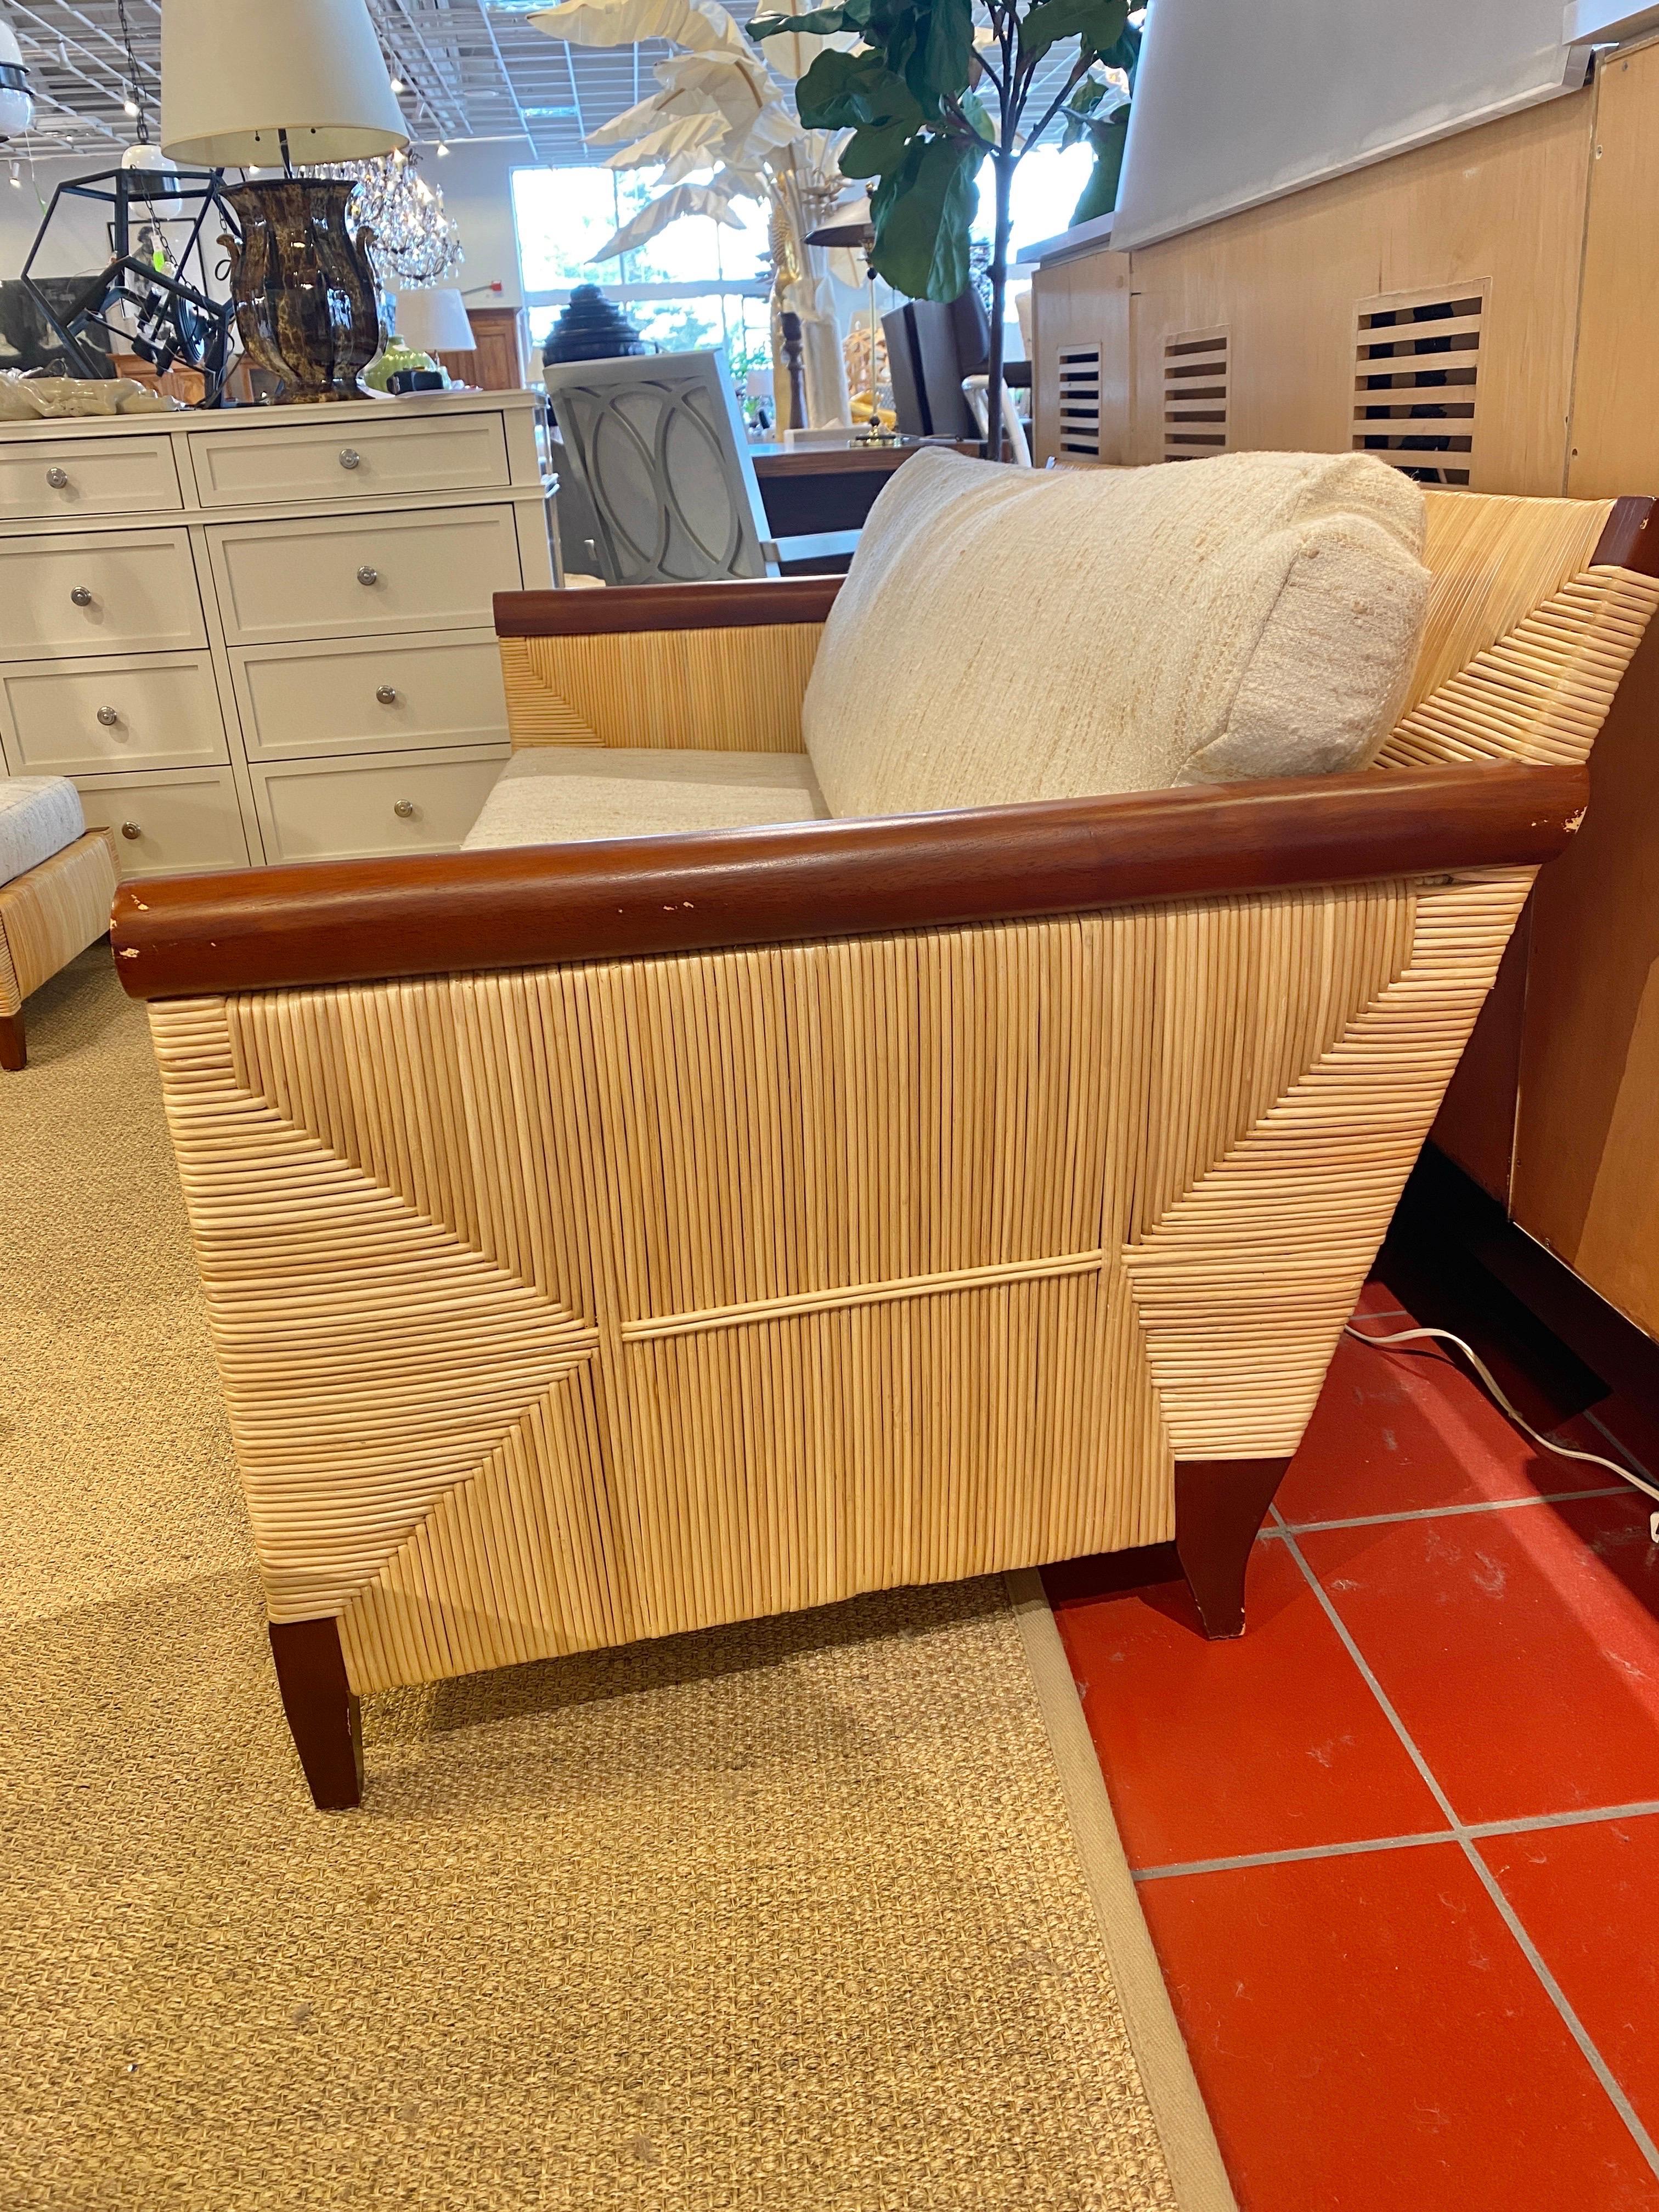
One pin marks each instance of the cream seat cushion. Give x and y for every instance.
(1009, 634)
(555, 795)
(38, 816)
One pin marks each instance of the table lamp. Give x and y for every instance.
(261, 83)
(433, 319)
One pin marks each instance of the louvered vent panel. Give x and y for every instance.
(1079, 402)
(1417, 371)
(1195, 395)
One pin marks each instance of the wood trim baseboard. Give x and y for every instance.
(538, 905)
(737, 605)
(1441, 1205)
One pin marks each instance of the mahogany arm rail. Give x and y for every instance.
(539, 905)
(740, 604)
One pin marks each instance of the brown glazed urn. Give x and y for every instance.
(307, 306)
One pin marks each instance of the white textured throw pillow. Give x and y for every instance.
(1011, 634)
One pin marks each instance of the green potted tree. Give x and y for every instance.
(929, 100)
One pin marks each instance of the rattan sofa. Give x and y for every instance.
(608, 1240)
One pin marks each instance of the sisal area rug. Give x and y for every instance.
(825, 1912)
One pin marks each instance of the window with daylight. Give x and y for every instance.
(697, 284)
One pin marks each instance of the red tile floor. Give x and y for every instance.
(1399, 1848)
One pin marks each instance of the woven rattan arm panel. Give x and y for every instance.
(563, 1306)
(716, 690)
(53, 911)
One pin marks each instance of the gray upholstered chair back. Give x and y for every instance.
(663, 456)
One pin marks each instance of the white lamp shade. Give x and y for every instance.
(434, 320)
(236, 73)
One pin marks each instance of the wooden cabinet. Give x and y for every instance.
(1483, 311)
(232, 627)
(500, 361)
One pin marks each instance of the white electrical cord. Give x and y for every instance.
(1560, 1451)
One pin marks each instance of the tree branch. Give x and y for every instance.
(961, 127)
(1085, 61)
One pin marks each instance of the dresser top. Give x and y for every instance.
(228, 420)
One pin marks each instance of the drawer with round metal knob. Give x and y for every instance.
(364, 574)
(83, 475)
(264, 463)
(180, 819)
(404, 802)
(367, 695)
(78, 716)
(98, 590)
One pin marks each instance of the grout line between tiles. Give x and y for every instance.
(1445, 1512)
(1525, 1824)
(1296, 1855)
(1465, 1836)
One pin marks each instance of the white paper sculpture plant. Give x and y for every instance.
(722, 108)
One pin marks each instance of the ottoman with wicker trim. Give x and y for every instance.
(57, 880)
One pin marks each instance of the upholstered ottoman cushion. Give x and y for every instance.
(1011, 634)
(38, 816)
(560, 794)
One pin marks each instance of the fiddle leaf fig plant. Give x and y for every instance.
(929, 98)
(1098, 112)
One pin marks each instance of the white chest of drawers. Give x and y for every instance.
(265, 636)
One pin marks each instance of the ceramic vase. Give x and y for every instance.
(307, 306)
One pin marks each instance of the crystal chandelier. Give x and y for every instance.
(414, 241)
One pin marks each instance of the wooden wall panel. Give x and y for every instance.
(1287, 279)
(1615, 413)
(1081, 302)
(1552, 215)
(1475, 1125)
(1586, 1152)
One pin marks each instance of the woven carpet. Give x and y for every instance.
(822, 1913)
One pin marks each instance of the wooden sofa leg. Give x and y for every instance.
(1221, 1504)
(322, 1713)
(13, 1052)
